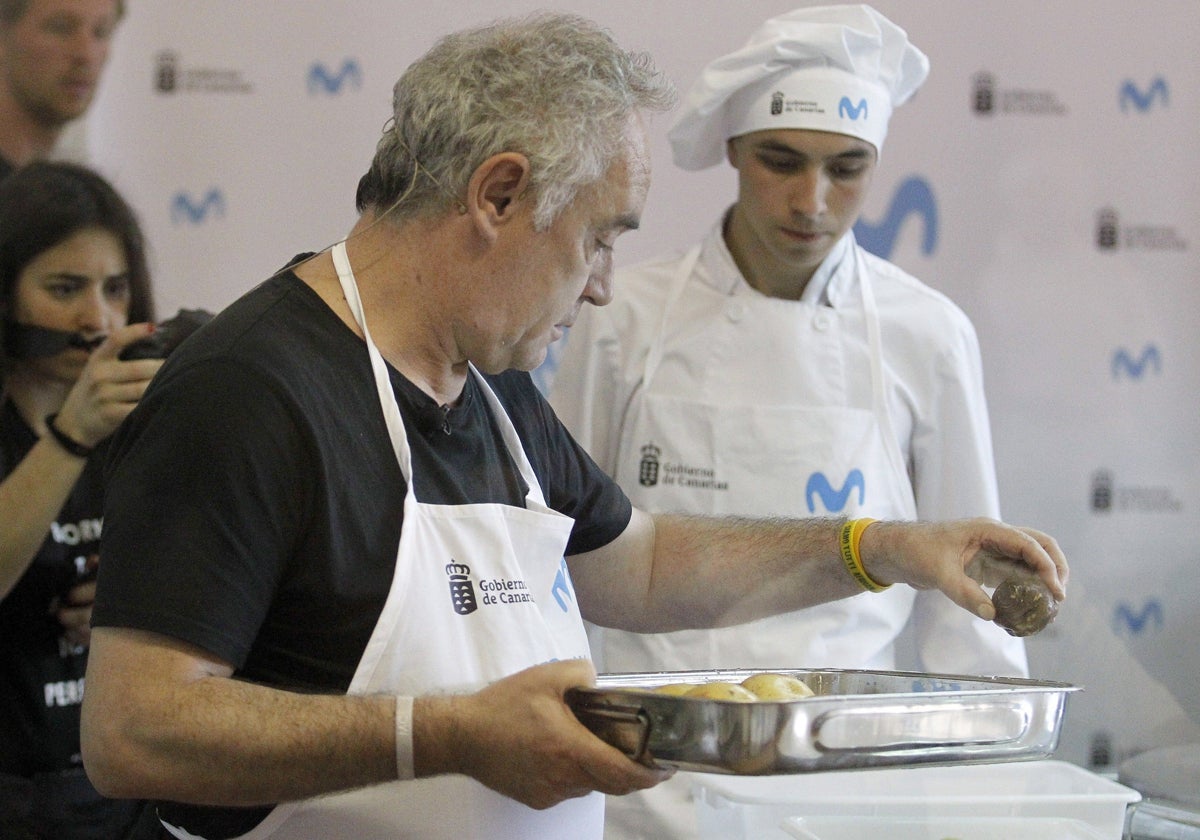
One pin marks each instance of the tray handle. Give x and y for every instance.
(626, 727)
(883, 728)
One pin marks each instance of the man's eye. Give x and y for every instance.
(778, 164)
(847, 173)
(59, 26)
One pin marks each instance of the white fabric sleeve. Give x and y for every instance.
(955, 477)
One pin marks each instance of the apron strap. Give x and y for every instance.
(658, 341)
(383, 380)
(883, 414)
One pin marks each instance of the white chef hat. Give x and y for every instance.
(829, 68)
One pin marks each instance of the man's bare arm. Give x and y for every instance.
(670, 572)
(162, 720)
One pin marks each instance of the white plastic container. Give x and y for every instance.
(756, 808)
(938, 828)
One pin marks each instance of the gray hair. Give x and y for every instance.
(553, 87)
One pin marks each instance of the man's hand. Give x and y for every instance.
(519, 738)
(961, 557)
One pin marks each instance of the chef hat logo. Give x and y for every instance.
(828, 68)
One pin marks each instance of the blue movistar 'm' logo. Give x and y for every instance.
(913, 198)
(562, 587)
(322, 80)
(834, 500)
(1132, 95)
(185, 209)
(846, 108)
(1123, 362)
(1130, 622)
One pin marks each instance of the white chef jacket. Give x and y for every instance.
(929, 377)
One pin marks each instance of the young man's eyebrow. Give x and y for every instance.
(782, 147)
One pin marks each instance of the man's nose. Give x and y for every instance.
(808, 193)
(599, 288)
(88, 47)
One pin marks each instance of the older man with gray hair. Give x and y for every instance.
(348, 547)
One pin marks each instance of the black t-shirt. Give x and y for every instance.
(254, 501)
(41, 674)
(43, 788)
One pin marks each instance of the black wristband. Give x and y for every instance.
(66, 442)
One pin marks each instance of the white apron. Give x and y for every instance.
(797, 454)
(800, 455)
(480, 592)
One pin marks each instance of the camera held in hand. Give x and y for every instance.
(167, 336)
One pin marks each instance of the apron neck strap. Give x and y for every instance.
(391, 408)
(678, 282)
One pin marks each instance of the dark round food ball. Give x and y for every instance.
(1024, 605)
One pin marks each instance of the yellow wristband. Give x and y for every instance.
(852, 533)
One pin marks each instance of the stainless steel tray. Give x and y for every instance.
(857, 719)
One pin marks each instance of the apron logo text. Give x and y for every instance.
(502, 591)
(651, 472)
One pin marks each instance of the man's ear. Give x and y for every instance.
(495, 191)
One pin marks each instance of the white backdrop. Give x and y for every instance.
(1045, 178)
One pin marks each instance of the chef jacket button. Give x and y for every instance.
(735, 311)
(821, 322)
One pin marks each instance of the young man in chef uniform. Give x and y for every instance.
(778, 369)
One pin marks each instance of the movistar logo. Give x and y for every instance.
(913, 197)
(322, 80)
(184, 208)
(1125, 363)
(1133, 96)
(848, 109)
(834, 500)
(1131, 621)
(561, 590)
